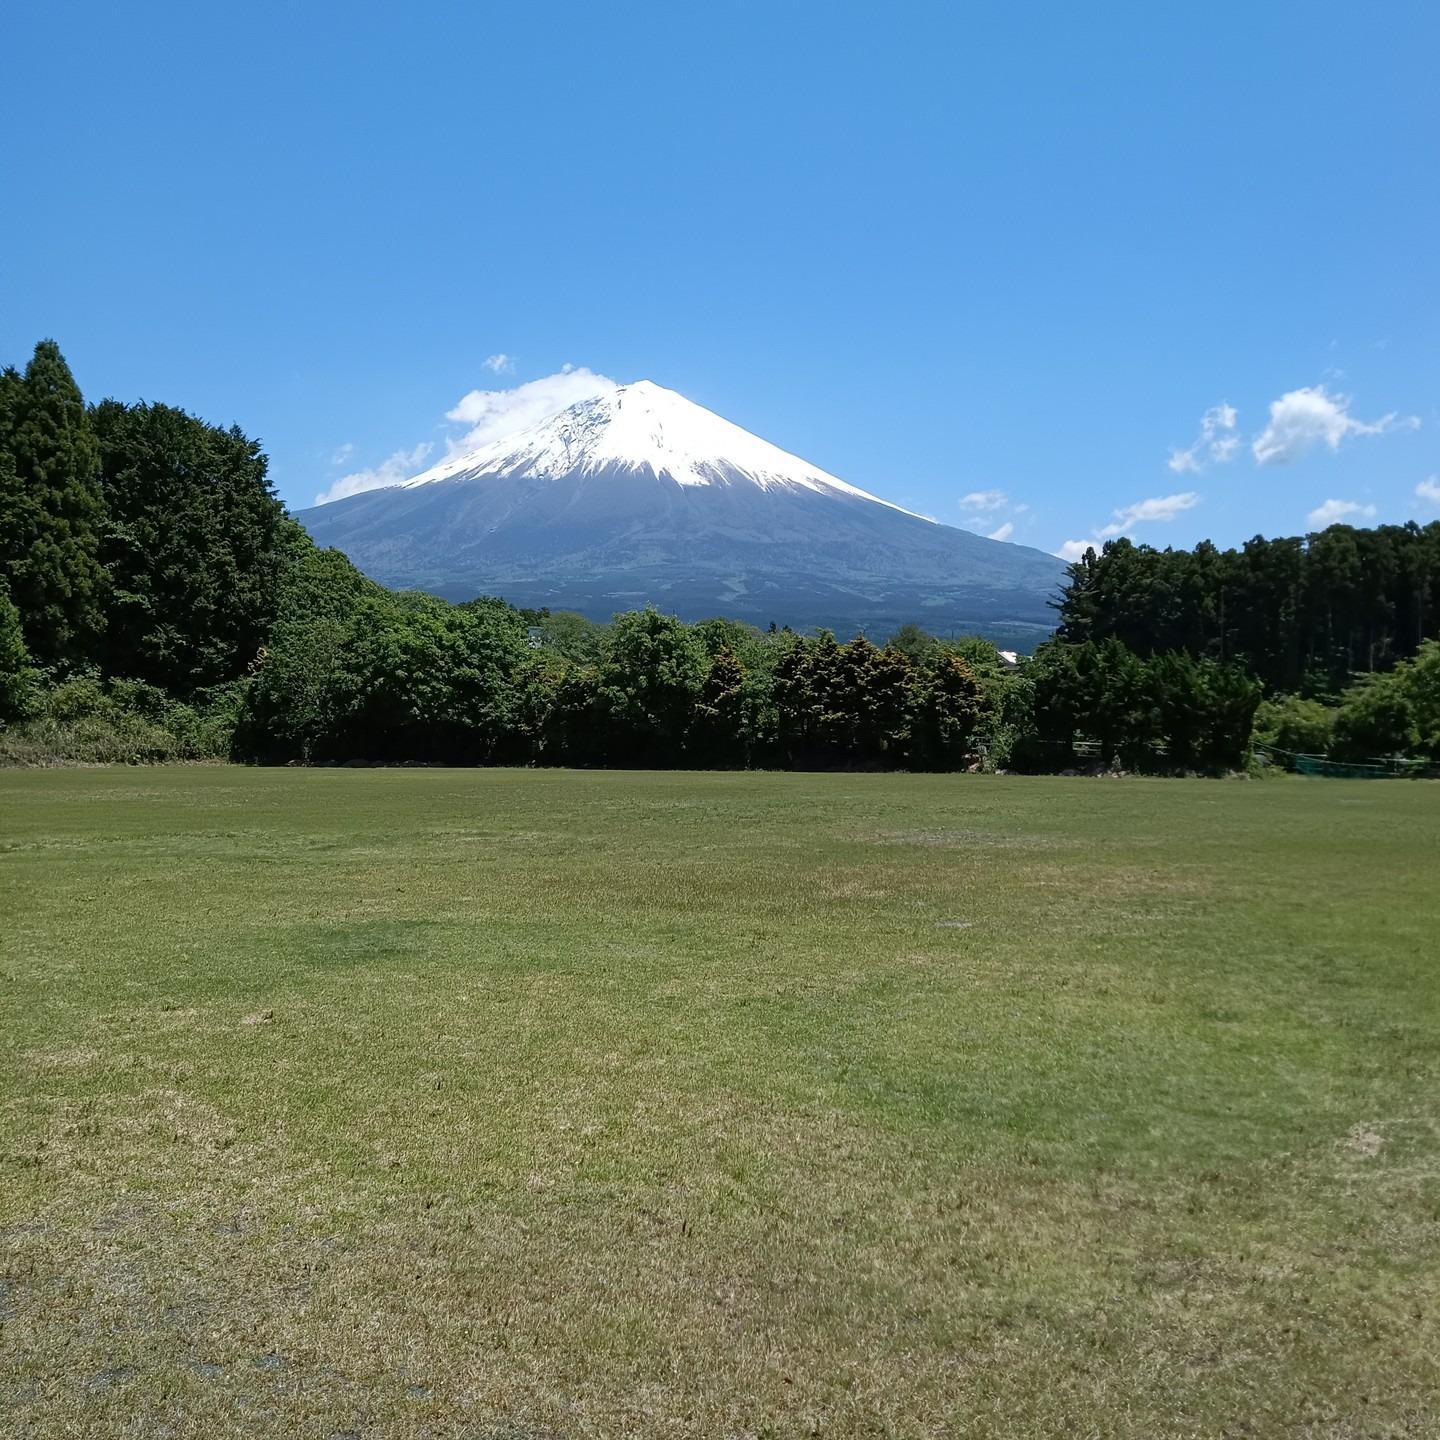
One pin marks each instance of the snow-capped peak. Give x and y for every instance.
(643, 426)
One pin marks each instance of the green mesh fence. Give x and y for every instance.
(1392, 767)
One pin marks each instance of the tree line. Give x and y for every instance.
(1304, 615)
(156, 602)
(1338, 628)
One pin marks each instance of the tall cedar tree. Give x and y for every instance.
(949, 705)
(811, 726)
(50, 509)
(718, 730)
(193, 541)
(874, 695)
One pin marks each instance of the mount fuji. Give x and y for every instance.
(640, 496)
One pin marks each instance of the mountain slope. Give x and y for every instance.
(640, 496)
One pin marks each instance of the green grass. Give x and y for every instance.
(523, 1104)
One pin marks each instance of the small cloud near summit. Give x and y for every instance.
(501, 364)
(493, 414)
(490, 414)
(391, 471)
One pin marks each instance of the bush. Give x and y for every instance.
(652, 674)
(1422, 684)
(1229, 697)
(85, 721)
(1295, 724)
(1375, 719)
(1394, 714)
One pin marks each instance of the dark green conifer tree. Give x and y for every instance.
(717, 731)
(874, 699)
(50, 509)
(194, 542)
(949, 705)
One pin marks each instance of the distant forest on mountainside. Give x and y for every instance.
(157, 603)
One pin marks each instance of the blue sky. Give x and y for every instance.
(940, 250)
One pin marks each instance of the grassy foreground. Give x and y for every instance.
(533, 1104)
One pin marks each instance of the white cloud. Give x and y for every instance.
(1159, 509)
(986, 508)
(492, 414)
(399, 466)
(343, 453)
(501, 364)
(1333, 510)
(1217, 443)
(1429, 489)
(984, 500)
(1163, 507)
(1303, 419)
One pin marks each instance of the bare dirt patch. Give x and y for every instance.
(1364, 1142)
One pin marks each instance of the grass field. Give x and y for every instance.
(548, 1104)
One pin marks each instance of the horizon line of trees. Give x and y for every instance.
(156, 601)
(1303, 614)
